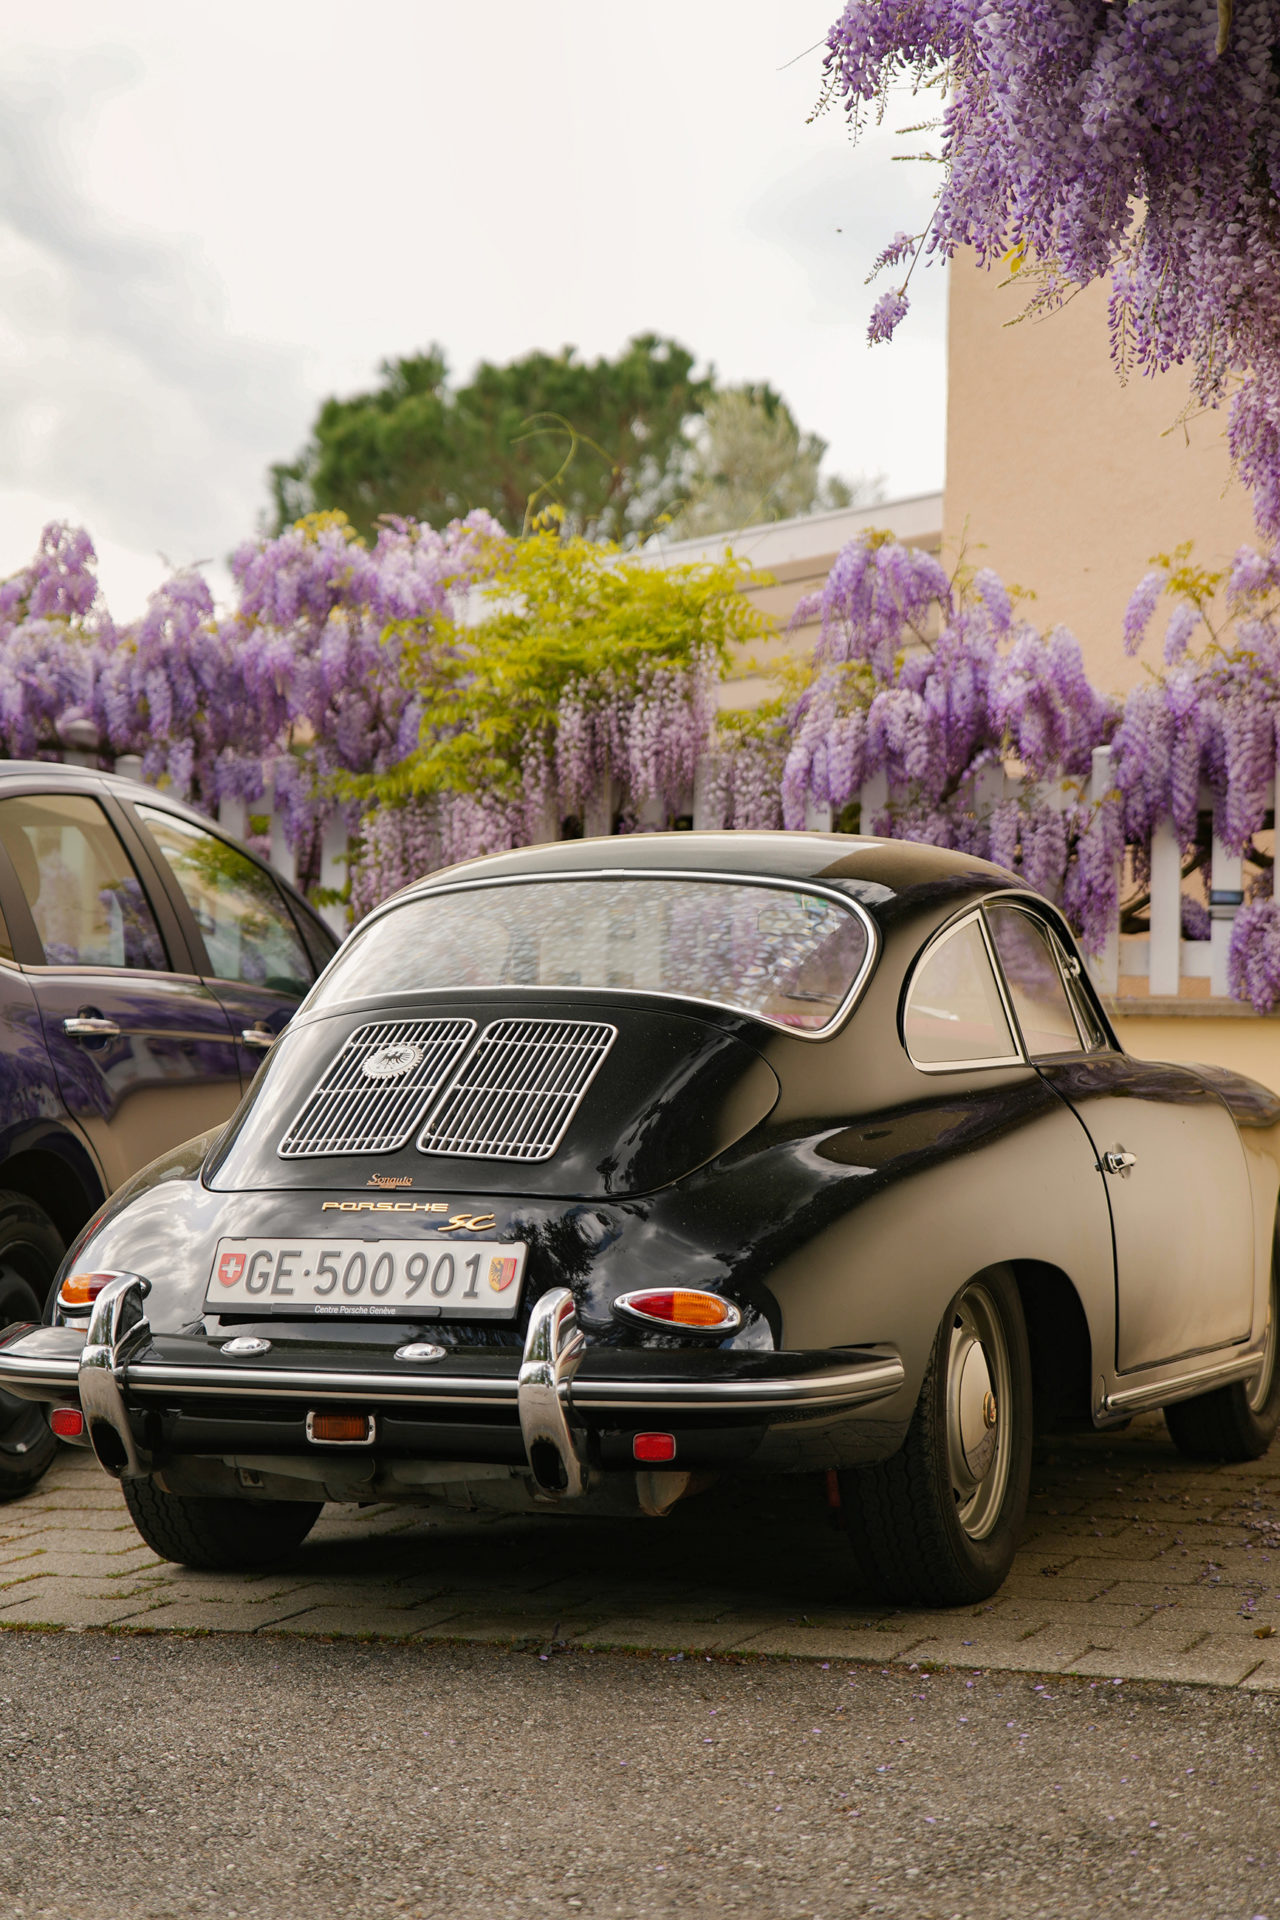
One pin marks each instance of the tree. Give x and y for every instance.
(750, 462)
(1138, 141)
(581, 681)
(602, 442)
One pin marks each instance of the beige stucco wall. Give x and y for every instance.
(792, 559)
(1062, 479)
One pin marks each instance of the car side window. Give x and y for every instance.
(246, 926)
(954, 1015)
(87, 902)
(1028, 955)
(1092, 1032)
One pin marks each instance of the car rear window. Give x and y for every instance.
(784, 954)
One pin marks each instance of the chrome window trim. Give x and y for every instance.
(939, 939)
(836, 1021)
(1033, 908)
(1025, 908)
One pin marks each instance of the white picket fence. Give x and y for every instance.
(1158, 962)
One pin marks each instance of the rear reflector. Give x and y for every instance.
(680, 1307)
(654, 1447)
(67, 1422)
(341, 1429)
(82, 1289)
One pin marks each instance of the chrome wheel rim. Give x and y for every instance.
(979, 1411)
(1259, 1391)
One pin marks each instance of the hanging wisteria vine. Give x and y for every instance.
(1210, 720)
(934, 682)
(459, 692)
(1134, 140)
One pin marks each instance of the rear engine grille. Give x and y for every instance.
(375, 1092)
(519, 1090)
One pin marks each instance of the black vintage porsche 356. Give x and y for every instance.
(589, 1172)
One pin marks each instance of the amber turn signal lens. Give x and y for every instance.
(82, 1289)
(67, 1422)
(680, 1307)
(341, 1429)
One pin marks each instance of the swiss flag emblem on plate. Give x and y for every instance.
(230, 1267)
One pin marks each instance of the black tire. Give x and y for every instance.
(1237, 1422)
(220, 1536)
(31, 1251)
(937, 1524)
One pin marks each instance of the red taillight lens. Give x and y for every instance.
(681, 1307)
(67, 1422)
(82, 1289)
(653, 1448)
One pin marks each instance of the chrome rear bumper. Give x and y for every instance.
(560, 1384)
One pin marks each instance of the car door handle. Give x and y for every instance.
(257, 1037)
(1118, 1161)
(90, 1026)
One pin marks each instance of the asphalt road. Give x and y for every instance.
(143, 1778)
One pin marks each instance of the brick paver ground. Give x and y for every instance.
(1134, 1566)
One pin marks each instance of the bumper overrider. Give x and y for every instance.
(560, 1412)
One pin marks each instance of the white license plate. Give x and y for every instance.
(475, 1280)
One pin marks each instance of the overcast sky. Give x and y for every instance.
(210, 218)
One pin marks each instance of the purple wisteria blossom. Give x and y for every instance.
(321, 673)
(935, 687)
(888, 311)
(1082, 141)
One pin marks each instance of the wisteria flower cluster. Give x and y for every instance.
(1135, 140)
(300, 683)
(934, 682)
(457, 693)
(1206, 728)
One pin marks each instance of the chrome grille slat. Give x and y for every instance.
(347, 1112)
(518, 1090)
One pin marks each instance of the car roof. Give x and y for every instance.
(63, 773)
(873, 869)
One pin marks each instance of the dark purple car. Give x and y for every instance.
(147, 962)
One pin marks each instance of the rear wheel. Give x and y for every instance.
(217, 1535)
(938, 1523)
(1237, 1422)
(30, 1252)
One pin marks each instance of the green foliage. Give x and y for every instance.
(602, 442)
(561, 619)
